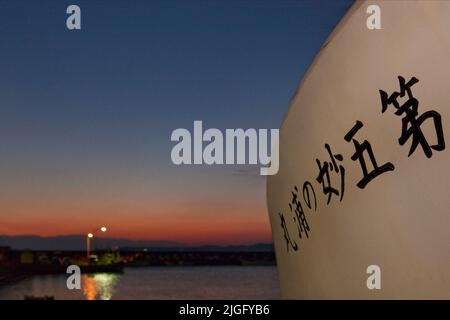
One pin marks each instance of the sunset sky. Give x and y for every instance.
(86, 116)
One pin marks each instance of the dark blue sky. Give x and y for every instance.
(89, 113)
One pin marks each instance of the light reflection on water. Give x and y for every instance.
(99, 286)
(229, 282)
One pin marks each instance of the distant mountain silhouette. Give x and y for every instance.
(259, 247)
(78, 243)
(75, 243)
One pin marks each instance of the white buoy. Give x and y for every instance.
(386, 236)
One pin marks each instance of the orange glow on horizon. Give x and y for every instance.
(192, 223)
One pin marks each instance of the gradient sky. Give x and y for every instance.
(86, 116)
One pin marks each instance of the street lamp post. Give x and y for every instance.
(88, 244)
(89, 236)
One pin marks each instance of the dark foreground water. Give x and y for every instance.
(230, 282)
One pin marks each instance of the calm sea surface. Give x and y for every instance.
(230, 282)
